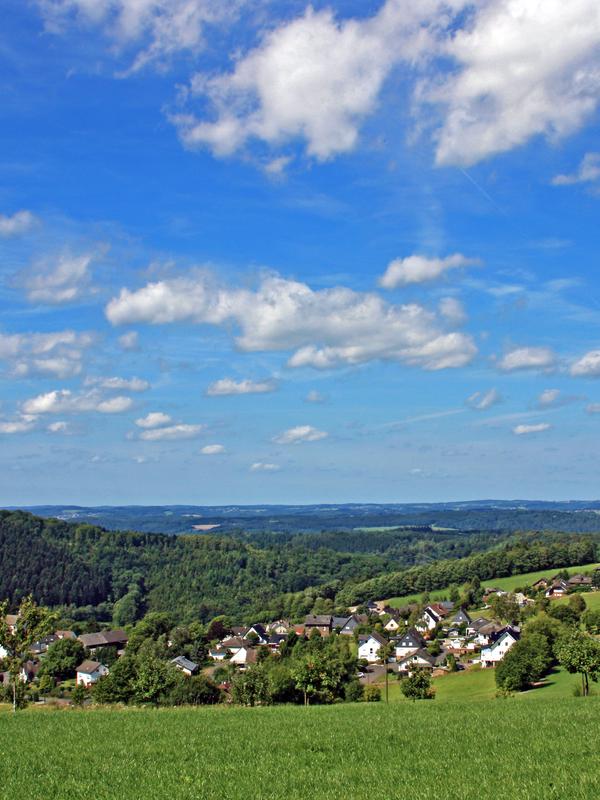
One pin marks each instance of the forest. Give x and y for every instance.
(102, 575)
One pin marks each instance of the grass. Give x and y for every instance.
(459, 750)
(507, 584)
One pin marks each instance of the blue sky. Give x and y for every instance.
(270, 252)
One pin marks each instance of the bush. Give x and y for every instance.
(354, 692)
(417, 686)
(197, 690)
(371, 694)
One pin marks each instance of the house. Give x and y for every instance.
(345, 625)
(475, 625)
(29, 671)
(219, 653)
(65, 634)
(421, 658)
(281, 627)
(431, 617)
(540, 584)
(579, 582)
(522, 599)
(393, 624)
(318, 622)
(461, 617)
(88, 672)
(185, 665)
(40, 647)
(256, 633)
(93, 641)
(369, 645)
(488, 633)
(495, 652)
(409, 643)
(276, 640)
(231, 644)
(245, 655)
(557, 589)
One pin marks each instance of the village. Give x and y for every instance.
(435, 637)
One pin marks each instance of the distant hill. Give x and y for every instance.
(575, 516)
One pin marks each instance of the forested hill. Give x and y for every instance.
(572, 516)
(121, 575)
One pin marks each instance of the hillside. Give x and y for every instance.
(349, 751)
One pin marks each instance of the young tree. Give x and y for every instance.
(417, 686)
(579, 653)
(62, 658)
(33, 623)
(591, 621)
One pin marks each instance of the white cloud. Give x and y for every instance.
(64, 401)
(161, 29)
(315, 397)
(314, 78)
(59, 280)
(419, 269)
(262, 466)
(326, 328)
(593, 408)
(23, 424)
(171, 432)
(549, 397)
(524, 430)
(588, 366)
(453, 310)
(481, 401)
(58, 427)
(119, 384)
(522, 358)
(155, 419)
(212, 450)
(588, 172)
(129, 341)
(227, 386)
(301, 433)
(58, 354)
(19, 222)
(525, 68)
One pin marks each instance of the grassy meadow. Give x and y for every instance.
(456, 750)
(507, 584)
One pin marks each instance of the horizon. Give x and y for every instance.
(285, 251)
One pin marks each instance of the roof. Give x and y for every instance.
(103, 638)
(11, 619)
(258, 629)
(184, 663)
(378, 638)
(89, 666)
(65, 634)
(438, 608)
(412, 635)
(420, 653)
(321, 620)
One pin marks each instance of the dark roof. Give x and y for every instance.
(318, 620)
(411, 637)
(422, 653)
(88, 666)
(258, 629)
(103, 638)
(184, 663)
(378, 638)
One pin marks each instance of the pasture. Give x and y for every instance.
(458, 750)
(508, 584)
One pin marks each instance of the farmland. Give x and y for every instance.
(350, 751)
(507, 584)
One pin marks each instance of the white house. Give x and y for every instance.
(89, 672)
(421, 658)
(3, 652)
(369, 646)
(185, 665)
(409, 643)
(244, 656)
(495, 652)
(393, 624)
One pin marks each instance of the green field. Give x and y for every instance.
(458, 751)
(508, 584)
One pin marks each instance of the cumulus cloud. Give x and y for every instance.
(524, 430)
(326, 328)
(59, 280)
(119, 384)
(588, 366)
(481, 401)
(314, 78)
(264, 466)
(171, 432)
(160, 29)
(22, 424)
(212, 449)
(20, 222)
(301, 433)
(453, 310)
(587, 172)
(129, 341)
(59, 354)
(522, 358)
(593, 408)
(549, 397)
(58, 427)
(522, 69)
(64, 401)
(419, 269)
(155, 419)
(315, 397)
(227, 386)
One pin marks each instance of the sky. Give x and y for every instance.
(264, 251)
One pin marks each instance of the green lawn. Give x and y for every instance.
(508, 584)
(455, 750)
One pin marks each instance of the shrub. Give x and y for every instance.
(371, 694)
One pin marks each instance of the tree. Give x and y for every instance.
(417, 686)
(62, 658)
(504, 607)
(577, 603)
(79, 695)
(527, 661)
(579, 653)
(33, 623)
(385, 652)
(197, 690)
(591, 621)
(153, 680)
(118, 685)
(251, 687)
